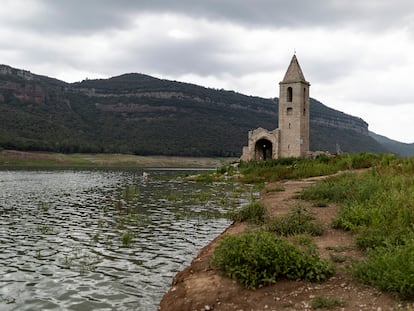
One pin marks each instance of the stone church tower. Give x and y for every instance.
(291, 139)
(294, 112)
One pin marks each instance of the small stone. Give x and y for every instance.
(207, 308)
(379, 309)
(311, 296)
(266, 306)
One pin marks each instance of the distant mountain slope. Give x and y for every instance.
(136, 113)
(401, 149)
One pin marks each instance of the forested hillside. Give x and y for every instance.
(401, 149)
(140, 114)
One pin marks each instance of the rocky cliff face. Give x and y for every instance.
(347, 123)
(24, 88)
(325, 116)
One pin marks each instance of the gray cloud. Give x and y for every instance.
(88, 16)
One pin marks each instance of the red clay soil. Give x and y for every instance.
(201, 287)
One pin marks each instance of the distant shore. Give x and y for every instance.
(10, 159)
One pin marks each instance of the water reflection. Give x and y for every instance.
(84, 240)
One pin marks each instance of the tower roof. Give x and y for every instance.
(294, 72)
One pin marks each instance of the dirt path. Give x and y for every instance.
(199, 287)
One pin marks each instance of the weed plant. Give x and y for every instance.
(45, 229)
(390, 269)
(259, 258)
(254, 213)
(129, 193)
(127, 238)
(299, 220)
(80, 260)
(378, 206)
(324, 302)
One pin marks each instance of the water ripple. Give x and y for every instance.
(100, 240)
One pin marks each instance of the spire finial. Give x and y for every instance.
(294, 73)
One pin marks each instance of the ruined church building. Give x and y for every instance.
(291, 139)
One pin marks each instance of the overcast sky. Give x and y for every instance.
(358, 55)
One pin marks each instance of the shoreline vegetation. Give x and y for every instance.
(369, 201)
(12, 159)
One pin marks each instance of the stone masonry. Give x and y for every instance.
(291, 139)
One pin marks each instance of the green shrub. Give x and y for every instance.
(389, 268)
(323, 302)
(261, 258)
(298, 220)
(254, 213)
(127, 238)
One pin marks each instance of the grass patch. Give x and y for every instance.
(254, 213)
(389, 268)
(299, 220)
(259, 258)
(294, 168)
(378, 207)
(338, 259)
(18, 159)
(338, 249)
(325, 302)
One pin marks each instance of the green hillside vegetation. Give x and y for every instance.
(139, 114)
(401, 149)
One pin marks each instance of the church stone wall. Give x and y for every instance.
(252, 153)
(291, 139)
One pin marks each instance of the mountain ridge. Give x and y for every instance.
(141, 114)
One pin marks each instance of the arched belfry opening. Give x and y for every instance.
(263, 149)
(289, 94)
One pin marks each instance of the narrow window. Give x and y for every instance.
(289, 111)
(289, 125)
(304, 111)
(289, 94)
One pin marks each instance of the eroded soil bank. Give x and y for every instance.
(201, 287)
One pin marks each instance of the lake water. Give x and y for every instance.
(102, 240)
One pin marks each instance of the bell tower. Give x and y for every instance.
(294, 112)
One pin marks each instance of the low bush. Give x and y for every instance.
(389, 268)
(298, 220)
(254, 213)
(324, 302)
(257, 258)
